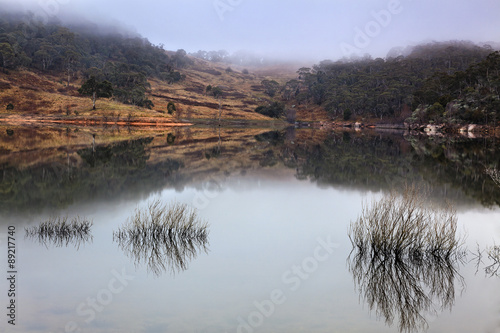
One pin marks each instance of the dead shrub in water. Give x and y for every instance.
(405, 257)
(406, 225)
(58, 231)
(164, 237)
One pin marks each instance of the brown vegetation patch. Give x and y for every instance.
(5, 85)
(210, 71)
(198, 89)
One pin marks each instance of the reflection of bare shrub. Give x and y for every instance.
(61, 232)
(405, 257)
(406, 289)
(494, 174)
(406, 225)
(164, 237)
(494, 257)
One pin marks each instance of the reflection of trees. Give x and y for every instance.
(407, 288)
(494, 174)
(215, 151)
(450, 165)
(164, 238)
(59, 232)
(107, 172)
(117, 156)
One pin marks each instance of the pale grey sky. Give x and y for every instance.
(312, 29)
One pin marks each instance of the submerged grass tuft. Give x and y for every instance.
(157, 219)
(61, 231)
(164, 236)
(406, 225)
(405, 257)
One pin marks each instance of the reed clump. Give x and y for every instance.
(494, 256)
(163, 236)
(62, 231)
(405, 259)
(406, 224)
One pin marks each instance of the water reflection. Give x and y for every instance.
(492, 266)
(494, 173)
(58, 232)
(141, 163)
(165, 238)
(406, 257)
(407, 289)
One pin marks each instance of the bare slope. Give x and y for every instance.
(37, 95)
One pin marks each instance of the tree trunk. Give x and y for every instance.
(220, 109)
(94, 97)
(69, 73)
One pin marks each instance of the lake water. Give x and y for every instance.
(278, 205)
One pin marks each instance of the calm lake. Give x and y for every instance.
(278, 204)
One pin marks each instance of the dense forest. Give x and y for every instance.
(125, 60)
(455, 82)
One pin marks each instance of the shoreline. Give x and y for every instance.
(142, 122)
(468, 130)
(471, 130)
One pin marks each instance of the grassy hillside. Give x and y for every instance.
(42, 66)
(35, 94)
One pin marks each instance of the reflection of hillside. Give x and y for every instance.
(62, 167)
(59, 174)
(108, 172)
(454, 168)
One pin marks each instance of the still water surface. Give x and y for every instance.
(278, 253)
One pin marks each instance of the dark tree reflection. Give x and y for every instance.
(408, 288)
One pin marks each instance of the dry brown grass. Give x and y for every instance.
(35, 93)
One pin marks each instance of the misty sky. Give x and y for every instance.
(312, 29)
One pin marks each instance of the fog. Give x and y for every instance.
(286, 29)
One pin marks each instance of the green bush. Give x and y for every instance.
(171, 107)
(275, 110)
